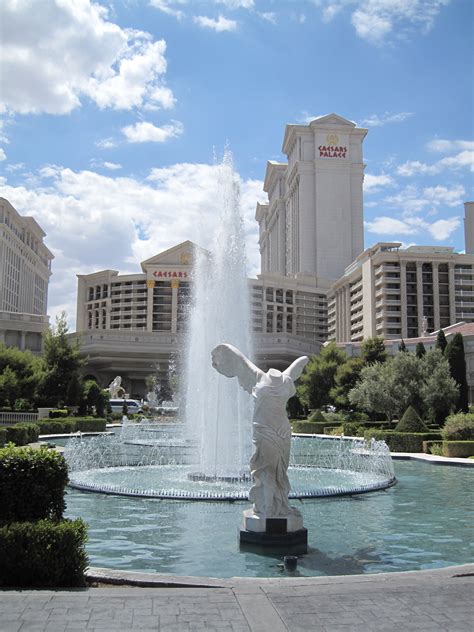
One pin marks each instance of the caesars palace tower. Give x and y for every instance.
(312, 226)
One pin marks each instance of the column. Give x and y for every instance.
(174, 305)
(419, 294)
(436, 295)
(452, 296)
(347, 307)
(150, 284)
(22, 340)
(403, 298)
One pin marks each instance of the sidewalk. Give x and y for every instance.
(424, 600)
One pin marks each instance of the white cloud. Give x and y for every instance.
(220, 25)
(443, 228)
(95, 221)
(376, 120)
(447, 146)
(166, 6)
(376, 21)
(148, 133)
(111, 166)
(269, 16)
(54, 58)
(440, 230)
(459, 161)
(373, 184)
(3, 155)
(413, 200)
(442, 196)
(106, 143)
(236, 4)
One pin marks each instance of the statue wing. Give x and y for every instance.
(296, 368)
(231, 362)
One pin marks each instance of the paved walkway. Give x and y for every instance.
(424, 600)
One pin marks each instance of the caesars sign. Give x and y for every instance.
(332, 149)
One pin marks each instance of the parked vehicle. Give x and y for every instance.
(133, 406)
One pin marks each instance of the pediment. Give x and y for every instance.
(331, 120)
(179, 255)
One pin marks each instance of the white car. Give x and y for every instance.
(133, 406)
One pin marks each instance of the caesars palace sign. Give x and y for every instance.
(332, 149)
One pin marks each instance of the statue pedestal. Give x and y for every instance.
(276, 531)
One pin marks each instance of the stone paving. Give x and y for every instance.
(425, 600)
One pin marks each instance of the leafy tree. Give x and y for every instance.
(345, 379)
(420, 350)
(318, 378)
(376, 392)
(26, 367)
(373, 350)
(9, 387)
(402, 347)
(96, 398)
(438, 391)
(75, 391)
(441, 342)
(61, 362)
(454, 353)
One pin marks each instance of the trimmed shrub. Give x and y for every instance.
(3, 436)
(353, 428)
(458, 448)
(307, 427)
(17, 434)
(94, 424)
(59, 412)
(402, 441)
(332, 429)
(411, 422)
(32, 484)
(317, 416)
(43, 554)
(459, 427)
(56, 426)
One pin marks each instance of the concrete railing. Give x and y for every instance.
(8, 419)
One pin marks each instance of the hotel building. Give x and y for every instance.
(401, 293)
(25, 268)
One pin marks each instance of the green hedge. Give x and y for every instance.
(56, 426)
(3, 436)
(66, 425)
(32, 484)
(402, 441)
(22, 434)
(458, 449)
(43, 554)
(311, 427)
(459, 427)
(58, 413)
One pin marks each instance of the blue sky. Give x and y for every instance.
(112, 113)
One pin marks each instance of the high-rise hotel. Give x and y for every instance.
(317, 282)
(25, 268)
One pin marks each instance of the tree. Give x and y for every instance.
(454, 353)
(420, 350)
(438, 391)
(26, 368)
(9, 387)
(411, 422)
(61, 361)
(402, 347)
(96, 398)
(373, 350)
(376, 392)
(441, 342)
(318, 377)
(345, 379)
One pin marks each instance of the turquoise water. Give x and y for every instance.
(425, 521)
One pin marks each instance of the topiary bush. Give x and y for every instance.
(32, 484)
(317, 416)
(307, 427)
(459, 427)
(43, 554)
(94, 424)
(411, 422)
(17, 434)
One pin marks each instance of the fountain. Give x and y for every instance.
(205, 454)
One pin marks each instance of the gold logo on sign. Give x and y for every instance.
(175, 284)
(332, 139)
(150, 284)
(186, 258)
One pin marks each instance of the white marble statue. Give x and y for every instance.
(115, 388)
(271, 428)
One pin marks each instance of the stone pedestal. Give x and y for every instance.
(276, 531)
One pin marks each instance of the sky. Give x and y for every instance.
(114, 114)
